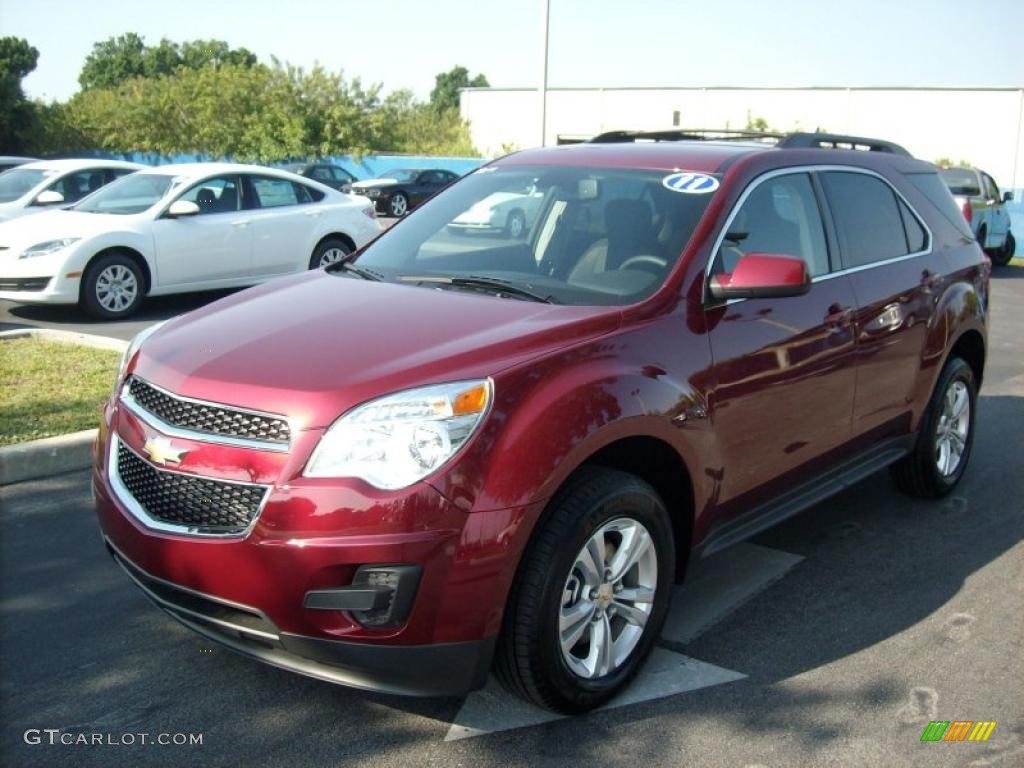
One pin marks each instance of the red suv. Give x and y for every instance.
(458, 452)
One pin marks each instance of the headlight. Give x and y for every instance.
(396, 440)
(133, 347)
(50, 246)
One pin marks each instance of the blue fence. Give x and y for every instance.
(367, 167)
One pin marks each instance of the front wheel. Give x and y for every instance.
(591, 594)
(398, 204)
(515, 227)
(1002, 256)
(944, 440)
(112, 287)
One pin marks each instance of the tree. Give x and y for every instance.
(446, 87)
(118, 59)
(17, 59)
(113, 61)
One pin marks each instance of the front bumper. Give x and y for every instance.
(248, 591)
(39, 290)
(443, 669)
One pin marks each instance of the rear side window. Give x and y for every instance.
(934, 188)
(917, 238)
(276, 193)
(868, 219)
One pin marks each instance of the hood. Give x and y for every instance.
(25, 231)
(314, 345)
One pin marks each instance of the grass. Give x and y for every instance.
(51, 388)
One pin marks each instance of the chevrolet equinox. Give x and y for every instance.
(457, 453)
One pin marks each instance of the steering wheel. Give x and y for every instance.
(645, 258)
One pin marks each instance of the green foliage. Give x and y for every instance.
(250, 112)
(119, 59)
(446, 87)
(17, 59)
(947, 162)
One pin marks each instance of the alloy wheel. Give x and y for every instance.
(116, 288)
(608, 598)
(953, 428)
(332, 256)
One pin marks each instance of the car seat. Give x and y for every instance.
(629, 232)
(206, 200)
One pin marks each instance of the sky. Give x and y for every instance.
(593, 43)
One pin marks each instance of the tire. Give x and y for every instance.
(515, 226)
(329, 251)
(919, 473)
(112, 287)
(982, 237)
(552, 585)
(398, 204)
(1001, 257)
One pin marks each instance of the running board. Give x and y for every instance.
(807, 495)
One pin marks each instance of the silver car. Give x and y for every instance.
(985, 210)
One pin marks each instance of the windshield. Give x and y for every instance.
(568, 234)
(134, 193)
(961, 181)
(17, 182)
(400, 175)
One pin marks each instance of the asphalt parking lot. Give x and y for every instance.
(832, 639)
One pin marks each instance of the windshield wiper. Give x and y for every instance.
(348, 266)
(495, 284)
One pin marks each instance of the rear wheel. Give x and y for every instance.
(398, 204)
(591, 594)
(516, 225)
(1002, 256)
(329, 251)
(112, 287)
(943, 447)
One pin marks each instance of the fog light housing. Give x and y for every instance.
(398, 584)
(379, 596)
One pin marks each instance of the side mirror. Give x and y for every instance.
(49, 197)
(182, 208)
(762, 275)
(1007, 197)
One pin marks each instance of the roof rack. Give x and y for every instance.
(797, 140)
(838, 141)
(683, 134)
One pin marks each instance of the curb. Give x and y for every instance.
(52, 455)
(49, 456)
(68, 337)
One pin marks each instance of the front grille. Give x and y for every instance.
(208, 506)
(208, 418)
(24, 283)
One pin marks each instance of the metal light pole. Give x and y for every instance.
(544, 75)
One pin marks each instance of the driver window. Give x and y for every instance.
(780, 216)
(219, 195)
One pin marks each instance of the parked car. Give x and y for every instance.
(453, 454)
(32, 187)
(179, 228)
(398, 191)
(8, 161)
(328, 174)
(985, 209)
(511, 213)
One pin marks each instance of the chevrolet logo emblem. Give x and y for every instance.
(162, 451)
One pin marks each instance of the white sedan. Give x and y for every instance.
(31, 187)
(179, 228)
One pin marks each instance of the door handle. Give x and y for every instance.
(240, 223)
(838, 316)
(313, 214)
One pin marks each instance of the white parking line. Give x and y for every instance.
(666, 673)
(715, 588)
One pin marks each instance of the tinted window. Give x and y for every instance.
(917, 238)
(340, 174)
(779, 216)
(938, 194)
(218, 195)
(867, 218)
(993, 188)
(321, 173)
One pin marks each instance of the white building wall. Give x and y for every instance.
(982, 126)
